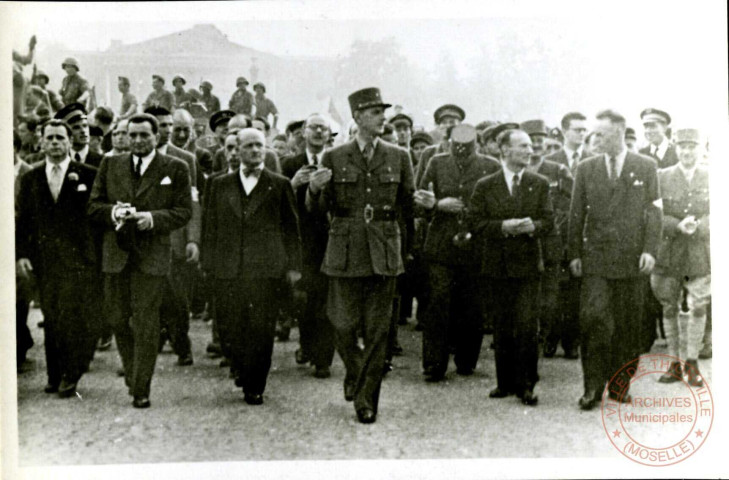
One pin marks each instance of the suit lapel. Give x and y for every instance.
(502, 194)
(153, 175)
(123, 166)
(43, 187)
(620, 187)
(259, 193)
(68, 184)
(233, 189)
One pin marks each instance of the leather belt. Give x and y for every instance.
(368, 212)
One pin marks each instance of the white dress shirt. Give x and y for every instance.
(310, 157)
(64, 168)
(509, 177)
(249, 183)
(163, 149)
(571, 154)
(145, 161)
(83, 153)
(660, 150)
(619, 162)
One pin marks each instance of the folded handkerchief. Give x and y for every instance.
(81, 188)
(166, 181)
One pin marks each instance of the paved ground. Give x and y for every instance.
(198, 415)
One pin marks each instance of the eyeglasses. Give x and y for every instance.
(579, 130)
(323, 128)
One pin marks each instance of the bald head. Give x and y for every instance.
(250, 146)
(239, 122)
(182, 128)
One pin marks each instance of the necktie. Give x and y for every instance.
(251, 171)
(575, 159)
(137, 167)
(56, 182)
(77, 157)
(368, 151)
(613, 168)
(515, 186)
(315, 160)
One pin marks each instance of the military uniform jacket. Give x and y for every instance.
(517, 256)
(242, 102)
(450, 179)
(163, 98)
(57, 237)
(357, 248)
(560, 192)
(669, 159)
(72, 87)
(164, 190)
(212, 104)
(683, 255)
(425, 156)
(612, 223)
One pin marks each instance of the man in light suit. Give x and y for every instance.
(57, 242)
(316, 335)
(614, 230)
(510, 213)
(367, 186)
(251, 242)
(139, 198)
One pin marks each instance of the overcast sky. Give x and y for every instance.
(656, 42)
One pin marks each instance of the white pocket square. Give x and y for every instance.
(166, 181)
(81, 188)
(638, 183)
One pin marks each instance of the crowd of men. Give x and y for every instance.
(130, 220)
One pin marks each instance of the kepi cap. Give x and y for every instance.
(421, 137)
(366, 98)
(687, 135)
(630, 134)
(463, 134)
(494, 131)
(401, 117)
(534, 127)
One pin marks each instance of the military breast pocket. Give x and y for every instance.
(389, 182)
(337, 246)
(344, 184)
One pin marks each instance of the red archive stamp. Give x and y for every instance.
(652, 423)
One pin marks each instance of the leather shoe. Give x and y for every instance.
(550, 348)
(322, 372)
(586, 402)
(673, 374)
(706, 351)
(694, 375)
(66, 389)
(366, 415)
(465, 371)
(499, 393)
(253, 398)
(301, 357)
(141, 402)
(185, 360)
(51, 388)
(528, 397)
(349, 392)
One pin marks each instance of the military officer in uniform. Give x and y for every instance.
(74, 114)
(683, 266)
(558, 309)
(614, 231)
(511, 212)
(366, 185)
(74, 88)
(159, 97)
(655, 125)
(446, 117)
(489, 137)
(403, 125)
(455, 314)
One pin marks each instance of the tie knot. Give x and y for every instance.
(314, 160)
(368, 151)
(515, 180)
(251, 171)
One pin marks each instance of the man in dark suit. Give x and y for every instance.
(574, 129)
(614, 230)
(251, 241)
(367, 186)
(455, 314)
(655, 124)
(511, 212)
(175, 309)
(316, 334)
(56, 241)
(140, 198)
(559, 294)
(74, 114)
